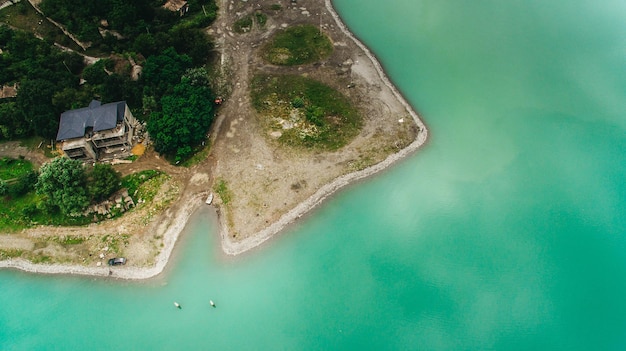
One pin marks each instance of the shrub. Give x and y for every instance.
(260, 18)
(25, 183)
(297, 102)
(30, 210)
(243, 25)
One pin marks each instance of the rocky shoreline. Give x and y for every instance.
(233, 247)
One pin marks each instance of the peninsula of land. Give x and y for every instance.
(259, 186)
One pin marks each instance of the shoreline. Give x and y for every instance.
(233, 248)
(191, 202)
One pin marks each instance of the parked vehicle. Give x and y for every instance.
(117, 261)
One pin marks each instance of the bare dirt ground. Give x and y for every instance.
(270, 185)
(268, 182)
(13, 149)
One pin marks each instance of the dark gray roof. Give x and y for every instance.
(99, 117)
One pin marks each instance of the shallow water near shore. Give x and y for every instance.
(506, 232)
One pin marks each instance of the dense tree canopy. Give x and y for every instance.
(64, 182)
(95, 74)
(192, 42)
(12, 122)
(162, 72)
(103, 181)
(165, 44)
(184, 120)
(41, 71)
(83, 20)
(34, 99)
(145, 26)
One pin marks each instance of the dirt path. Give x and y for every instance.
(13, 149)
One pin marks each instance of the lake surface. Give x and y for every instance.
(506, 232)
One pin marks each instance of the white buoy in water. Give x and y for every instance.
(212, 303)
(177, 305)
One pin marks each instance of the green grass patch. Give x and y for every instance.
(305, 112)
(11, 168)
(39, 258)
(69, 240)
(12, 212)
(221, 188)
(30, 209)
(132, 182)
(297, 45)
(10, 253)
(150, 188)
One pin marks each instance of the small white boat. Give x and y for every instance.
(209, 199)
(177, 305)
(212, 303)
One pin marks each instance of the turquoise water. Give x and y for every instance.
(506, 232)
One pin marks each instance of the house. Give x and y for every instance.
(180, 6)
(97, 132)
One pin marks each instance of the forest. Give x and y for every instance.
(171, 49)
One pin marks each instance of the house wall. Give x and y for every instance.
(80, 149)
(131, 123)
(106, 144)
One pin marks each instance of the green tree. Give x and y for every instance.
(113, 88)
(34, 99)
(162, 72)
(103, 181)
(198, 76)
(184, 120)
(146, 44)
(95, 74)
(193, 42)
(63, 181)
(12, 123)
(6, 34)
(70, 98)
